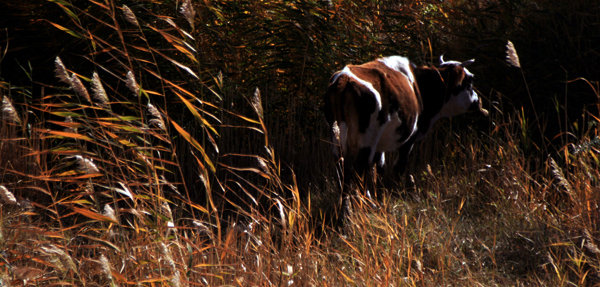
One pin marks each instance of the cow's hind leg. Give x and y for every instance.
(379, 160)
(404, 151)
(357, 172)
(400, 167)
(372, 122)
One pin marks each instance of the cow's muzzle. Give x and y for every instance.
(477, 107)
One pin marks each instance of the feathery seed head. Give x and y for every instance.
(7, 196)
(98, 89)
(79, 88)
(158, 120)
(59, 256)
(153, 110)
(511, 55)
(175, 280)
(68, 119)
(86, 165)
(589, 244)
(61, 71)
(256, 103)
(187, 10)
(105, 265)
(132, 84)
(109, 212)
(129, 16)
(166, 210)
(558, 173)
(166, 253)
(201, 227)
(262, 164)
(9, 111)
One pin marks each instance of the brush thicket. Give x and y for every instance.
(185, 146)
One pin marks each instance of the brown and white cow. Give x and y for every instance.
(390, 103)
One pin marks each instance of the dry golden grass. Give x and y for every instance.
(164, 176)
(479, 215)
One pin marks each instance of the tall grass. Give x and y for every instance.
(146, 162)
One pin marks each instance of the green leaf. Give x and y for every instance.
(66, 114)
(71, 32)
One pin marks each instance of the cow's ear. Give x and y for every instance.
(467, 62)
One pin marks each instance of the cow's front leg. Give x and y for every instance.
(404, 151)
(379, 180)
(379, 160)
(364, 160)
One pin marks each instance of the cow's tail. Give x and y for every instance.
(333, 110)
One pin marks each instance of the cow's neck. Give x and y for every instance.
(433, 94)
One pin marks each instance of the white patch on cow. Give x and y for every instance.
(458, 104)
(369, 86)
(373, 134)
(400, 64)
(389, 138)
(381, 162)
(415, 128)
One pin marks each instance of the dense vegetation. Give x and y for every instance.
(182, 143)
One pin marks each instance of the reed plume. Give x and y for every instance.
(7, 196)
(511, 55)
(132, 84)
(9, 112)
(98, 91)
(61, 71)
(130, 17)
(79, 88)
(188, 12)
(86, 165)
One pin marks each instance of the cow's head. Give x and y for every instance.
(462, 97)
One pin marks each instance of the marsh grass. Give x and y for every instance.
(143, 165)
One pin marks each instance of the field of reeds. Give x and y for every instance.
(181, 143)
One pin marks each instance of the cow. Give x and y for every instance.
(389, 104)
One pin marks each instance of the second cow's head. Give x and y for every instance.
(458, 85)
